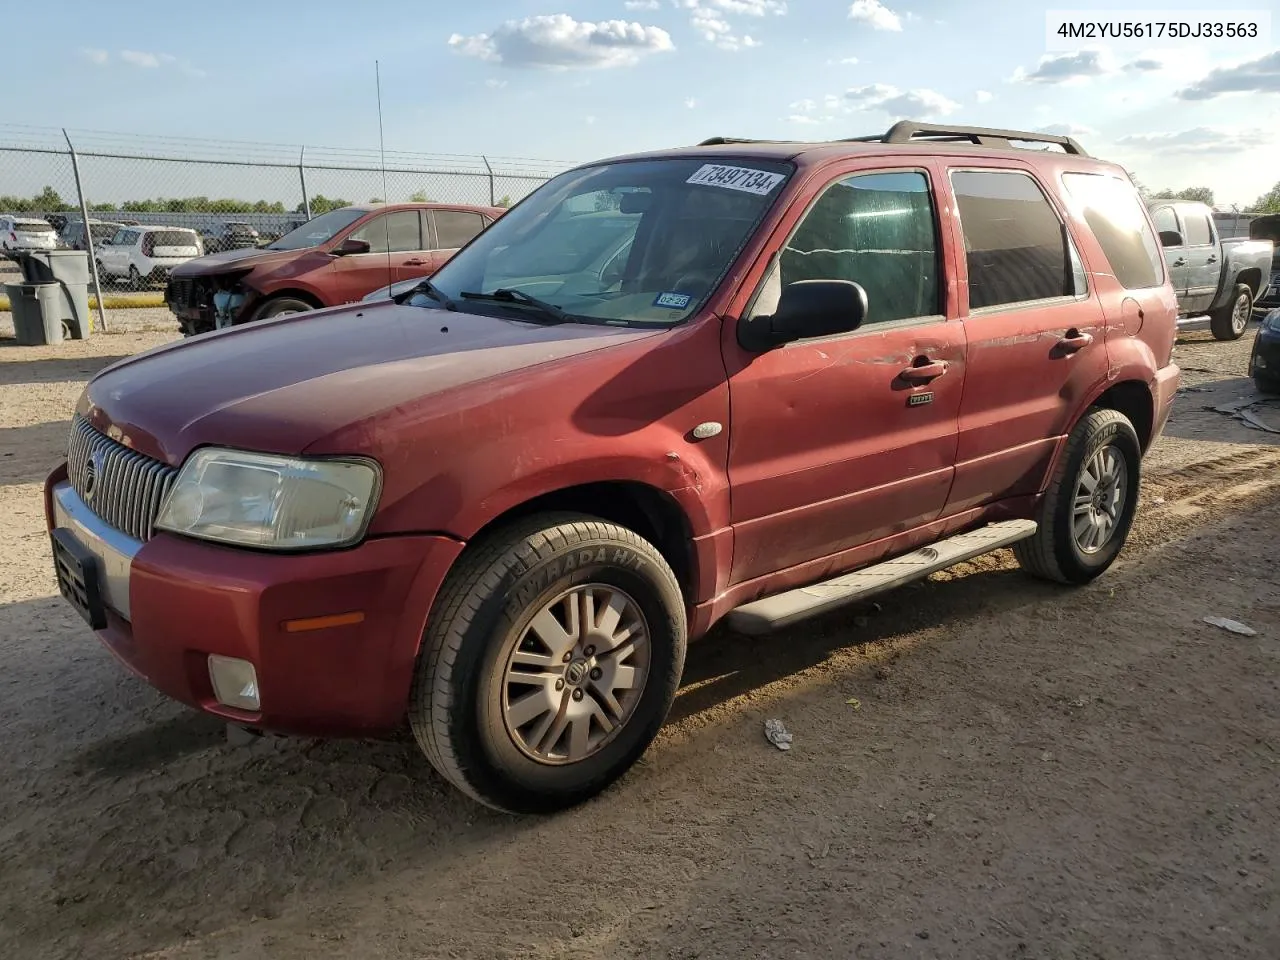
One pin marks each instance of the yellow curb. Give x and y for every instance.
(117, 301)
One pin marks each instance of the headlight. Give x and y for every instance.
(271, 502)
(1272, 321)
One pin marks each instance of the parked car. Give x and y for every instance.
(145, 254)
(73, 235)
(229, 236)
(19, 234)
(1264, 361)
(1268, 228)
(502, 507)
(1216, 280)
(332, 259)
(56, 220)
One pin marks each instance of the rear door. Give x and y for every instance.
(1035, 331)
(835, 442)
(1203, 256)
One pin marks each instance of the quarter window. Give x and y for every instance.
(876, 229)
(1198, 234)
(1113, 210)
(1015, 246)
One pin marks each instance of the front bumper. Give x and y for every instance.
(170, 603)
(1264, 360)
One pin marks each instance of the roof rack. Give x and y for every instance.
(721, 141)
(907, 131)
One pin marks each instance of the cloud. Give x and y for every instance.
(805, 119)
(690, 103)
(147, 60)
(493, 84)
(1253, 76)
(844, 61)
(1147, 63)
(642, 4)
(1207, 140)
(560, 42)
(983, 96)
(1067, 68)
(95, 56)
(1066, 130)
(920, 103)
(710, 19)
(875, 15)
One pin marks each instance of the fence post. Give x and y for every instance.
(493, 190)
(302, 175)
(88, 233)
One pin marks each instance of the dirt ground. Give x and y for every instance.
(984, 766)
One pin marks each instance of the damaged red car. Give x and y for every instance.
(332, 259)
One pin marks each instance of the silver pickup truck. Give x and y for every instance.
(1217, 281)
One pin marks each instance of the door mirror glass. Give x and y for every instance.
(807, 309)
(1170, 238)
(350, 246)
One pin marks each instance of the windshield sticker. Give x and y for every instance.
(672, 301)
(759, 182)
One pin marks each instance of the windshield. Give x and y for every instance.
(636, 242)
(317, 230)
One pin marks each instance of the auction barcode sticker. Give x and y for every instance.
(759, 182)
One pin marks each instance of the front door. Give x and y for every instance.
(840, 441)
(394, 238)
(1035, 332)
(1203, 258)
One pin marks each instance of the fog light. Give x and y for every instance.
(235, 682)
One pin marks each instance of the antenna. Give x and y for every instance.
(382, 146)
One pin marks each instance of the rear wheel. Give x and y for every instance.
(135, 278)
(1089, 506)
(281, 306)
(549, 663)
(1230, 321)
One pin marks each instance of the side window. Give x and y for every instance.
(398, 232)
(1113, 210)
(1015, 245)
(1164, 218)
(455, 228)
(1198, 234)
(876, 229)
(119, 239)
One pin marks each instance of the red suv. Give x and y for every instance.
(335, 258)
(742, 382)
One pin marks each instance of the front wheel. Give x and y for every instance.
(1230, 321)
(135, 278)
(1089, 506)
(549, 663)
(281, 306)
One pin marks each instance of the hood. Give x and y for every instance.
(281, 385)
(244, 257)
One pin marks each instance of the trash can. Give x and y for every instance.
(42, 266)
(37, 312)
(70, 270)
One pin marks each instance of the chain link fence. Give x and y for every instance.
(207, 184)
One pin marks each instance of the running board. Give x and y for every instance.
(784, 609)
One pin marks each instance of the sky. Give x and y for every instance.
(574, 80)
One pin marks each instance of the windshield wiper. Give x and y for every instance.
(431, 290)
(507, 295)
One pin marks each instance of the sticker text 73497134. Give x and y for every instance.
(760, 182)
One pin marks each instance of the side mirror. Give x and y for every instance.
(350, 246)
(1170, 238)
(806, 309)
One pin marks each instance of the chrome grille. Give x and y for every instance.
(123, 487)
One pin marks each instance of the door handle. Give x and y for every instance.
(415, 263)
(1212, 260)
(1180, 262)
(1075, 340)
(923, 370)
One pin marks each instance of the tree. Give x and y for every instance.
(1198, 194)
(504, 202)
(49, 201)
(322, 204)
(1143, 190)
(1269, 202)
(420, 196)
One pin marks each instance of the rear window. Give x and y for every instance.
(1114, 212)
(38, 226)
(1198, 234)
(173, 238)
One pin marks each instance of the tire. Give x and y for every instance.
(135, 278)
(1230, 321)
(1055, 552)
(463, 708)
(280, 306)
(1266, 384)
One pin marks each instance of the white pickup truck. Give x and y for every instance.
(147, 254)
